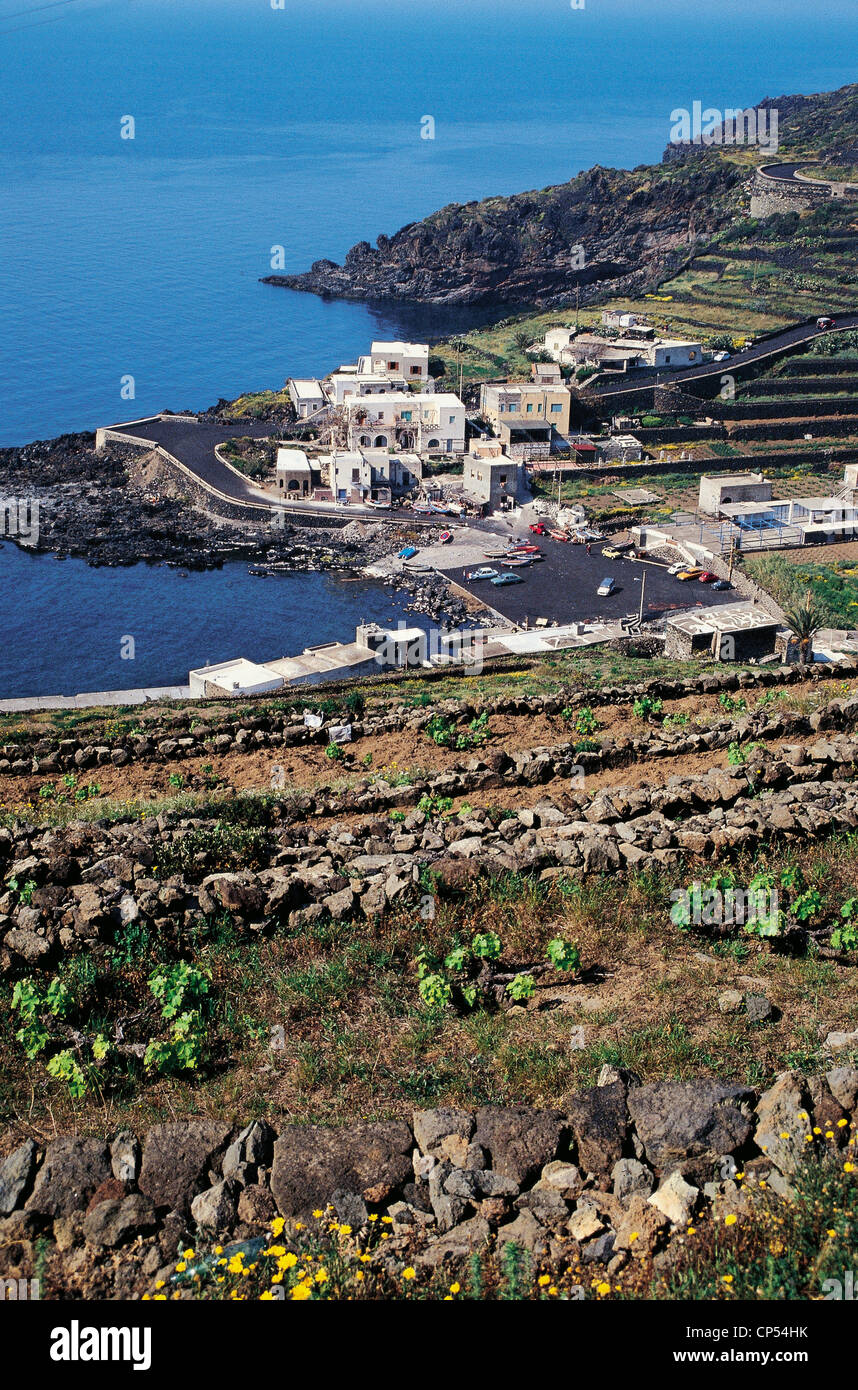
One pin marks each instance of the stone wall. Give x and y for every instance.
(608, 1177)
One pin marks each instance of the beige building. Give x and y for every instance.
(293, 474)
(520, 405)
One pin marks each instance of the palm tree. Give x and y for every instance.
(804, 622)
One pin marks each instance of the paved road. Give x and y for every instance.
(771, 347)
(193, 443)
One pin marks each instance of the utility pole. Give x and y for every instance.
(643, 591)
(577, 302)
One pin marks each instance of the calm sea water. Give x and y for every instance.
(64, 621)
(300, 127)
(297, 127)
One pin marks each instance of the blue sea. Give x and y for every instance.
(296, 124)
(300, 126)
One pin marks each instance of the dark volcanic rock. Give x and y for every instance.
(520, 1142)
(632, 226)
(71, 1171)
(176, 1158)
(600, 1122)
(311, 1163)
(676, 1120)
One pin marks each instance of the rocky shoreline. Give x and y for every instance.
(108, 510)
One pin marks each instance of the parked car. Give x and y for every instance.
(722, 584)
(501, 579)
(707, 577)
(825, 321)
(674, 569)
(538, 528)
(611, 553)
(606, 588)
(484, 572)
(689, 574)
(720, 356)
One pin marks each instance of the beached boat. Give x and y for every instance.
(445, 537)
(407, 552)
(518, 560)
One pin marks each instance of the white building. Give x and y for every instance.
(351, 381)
(306, 395)
(557, 340)
(372, 476)
(672, 352)
(410, 360)
(401, 421)
(237, 677)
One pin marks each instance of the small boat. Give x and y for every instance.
(518, 560)
(445, 537)
(558, 535)
(407, 552)
(260, 571)
(525, 549)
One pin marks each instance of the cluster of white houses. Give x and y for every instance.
(636, 346)
(390, 417)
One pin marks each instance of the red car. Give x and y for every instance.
(707, 577)
(538, 528)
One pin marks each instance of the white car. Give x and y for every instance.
(674, 569)
(720, 356)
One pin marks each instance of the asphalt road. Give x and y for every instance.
(193, 444)
(562, 587)
(772, 347)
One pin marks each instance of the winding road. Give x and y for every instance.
(193, 442)
(771, 347)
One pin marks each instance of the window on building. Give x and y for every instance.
(415, 371)
(451, 420)
(530, 407)
(406, 414)
(555, 409)
(393, 366)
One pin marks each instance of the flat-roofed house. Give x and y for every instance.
(374, 475)
(526, 403)
(716, 489)
(344, 383)
(293, 474)
(557, 341)
(546, 374)
(410, 360)
(494, 482)
(730, 632)
(307, 395)
(402, 421)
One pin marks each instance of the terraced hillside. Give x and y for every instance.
(472, 904)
